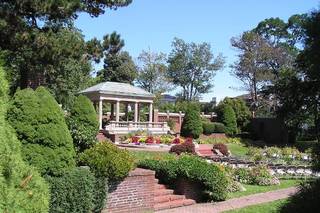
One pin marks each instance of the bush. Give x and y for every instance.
(186, 147)
(243, 175)
(273, 152)
(22, 188)
(83, 123)
(192, 123)
(72, 192)
(99, 194)
(212, 177)
(306, 200)
(229, 120)
(219, 127)
(40, 126)
(255, 154)
(107, 160)
(222, 148)
(208, 128)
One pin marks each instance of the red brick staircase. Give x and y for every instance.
(166, 199)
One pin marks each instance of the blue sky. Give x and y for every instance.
(154, 23)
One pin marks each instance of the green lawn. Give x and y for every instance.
(271, 207)
(142, 155)
(254, 189)
(238, 150)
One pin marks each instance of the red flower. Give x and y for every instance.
(158, 140)
(135, 139)
(176, 141)
(149, 139)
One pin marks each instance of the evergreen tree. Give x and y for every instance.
(229, 120)
(40, 126)
(192, 123)
(21, 187)
(83, 123)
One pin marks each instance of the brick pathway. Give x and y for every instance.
(234, 203)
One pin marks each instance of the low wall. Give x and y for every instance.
(134, 194)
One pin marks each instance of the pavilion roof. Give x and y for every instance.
(116, 88)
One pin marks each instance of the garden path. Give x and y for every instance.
(235, 203)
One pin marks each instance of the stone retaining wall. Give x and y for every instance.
(134, 194)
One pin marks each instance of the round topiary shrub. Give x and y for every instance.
(41, 128)
(229, 120)
(83, 123)
(22, 188)
(192, 123)
(208, 128)
(222, 148)
(219, 127)
(107, 160)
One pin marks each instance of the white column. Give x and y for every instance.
(150, 112)
(100, 114)
(117, 111)
(136, 108)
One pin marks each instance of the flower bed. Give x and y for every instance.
(143, 138)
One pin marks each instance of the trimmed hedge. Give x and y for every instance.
(107, 160)
(192, 122)
(22, 187)
(41, 128)
(83, 123)
(73, 192)
(212, 177)
(213, 127)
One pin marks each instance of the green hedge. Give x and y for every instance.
(107, 160)
(73, 192)
(210, 176)
(213, 127)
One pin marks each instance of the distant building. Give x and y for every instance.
(166, 98)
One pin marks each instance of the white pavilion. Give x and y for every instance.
(121, 93)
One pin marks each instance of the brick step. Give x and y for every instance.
(160, 186)
(167, 198)
(156, 181)
(173, 204)
(160, 192)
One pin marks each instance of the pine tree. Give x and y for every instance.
(21, 187)
(83, 123)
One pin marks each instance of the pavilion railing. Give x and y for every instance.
(131, 126)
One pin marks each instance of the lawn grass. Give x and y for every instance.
(254, 189)
(270, 207)
(238, 150)
(144, 155)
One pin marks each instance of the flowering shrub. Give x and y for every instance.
(176, 140)
(291, 153)
(135, 139)
(222, 148)
(242, 175)
(273, 152)
(255, 154)
(186, 147)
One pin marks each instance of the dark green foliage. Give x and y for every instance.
(219, 127)
(192, 123)
(107, 160)
(306, 200)
(193, 168)
(83, 123)
(21, 187)
(229, 120)
(208, 127)
(40, 126)
(72, 192)
(99, 194)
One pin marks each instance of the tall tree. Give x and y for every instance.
(40, 44)
(153, 72)
(118, 65)
(192, 67)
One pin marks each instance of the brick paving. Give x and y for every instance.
(234, 203)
